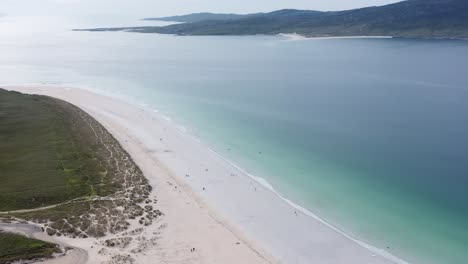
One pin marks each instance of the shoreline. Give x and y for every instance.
(196, 167)
(296, 37)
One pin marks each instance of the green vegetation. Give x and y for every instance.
(61, 168)
(16, 247)
(47, 153)
(409, 19)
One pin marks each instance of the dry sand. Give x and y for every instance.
(208, 203)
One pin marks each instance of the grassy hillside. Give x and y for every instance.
(47, 155)
(66, 170)
(15, 247)
(411, 18)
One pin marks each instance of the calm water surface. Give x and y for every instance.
(370, 134)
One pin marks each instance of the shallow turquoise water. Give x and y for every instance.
(370, 134)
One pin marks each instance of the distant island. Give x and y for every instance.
(406, 19)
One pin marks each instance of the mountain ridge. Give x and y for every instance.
(407, 19)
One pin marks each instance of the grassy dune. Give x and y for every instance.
(59, 167)
(14, 247)
(47, 153)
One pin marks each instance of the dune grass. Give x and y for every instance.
(47, 153)
(17, 247)
(60, 168)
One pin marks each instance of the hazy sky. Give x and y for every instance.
(170, 7)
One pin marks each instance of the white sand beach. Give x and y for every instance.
(297, 37)
(208, 203)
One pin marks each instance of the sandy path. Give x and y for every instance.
(42, 208)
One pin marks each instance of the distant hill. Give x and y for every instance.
(196, 17)
(411, 19)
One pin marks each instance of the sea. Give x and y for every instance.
(369, 134)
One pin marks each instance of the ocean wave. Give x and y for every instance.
(263, 182)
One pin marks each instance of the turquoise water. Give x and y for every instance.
(370, 134)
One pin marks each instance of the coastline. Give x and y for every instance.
(295, 37)
(208, 188)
